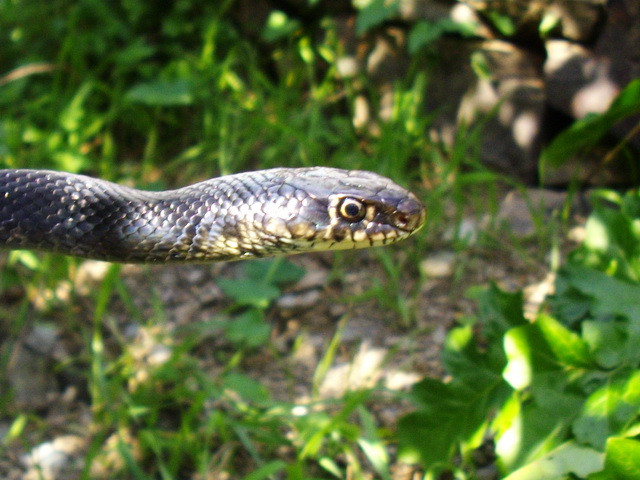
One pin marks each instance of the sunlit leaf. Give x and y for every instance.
(502, 22)
(248, 388)
(449, 416)
(588, 131)
(622, 461)
(609, 410)
(162, 93)
(567, 347)
(279, 25)
(569, 458)
(266, 471)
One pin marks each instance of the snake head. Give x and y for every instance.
(330, 209)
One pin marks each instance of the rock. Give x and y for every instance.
(432, 10)
(299, 301)
(578, 21)
(573, 20)
(363, 372)
(514, 86)
(577, 82)
(438, 265)
(518, 209)
(31, 368)
(58, 459)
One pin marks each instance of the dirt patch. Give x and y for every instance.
(378, 343)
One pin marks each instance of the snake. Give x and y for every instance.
(279, 211)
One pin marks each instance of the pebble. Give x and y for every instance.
(438, 265)
(299, 301)
(30, 370)
(52, 460)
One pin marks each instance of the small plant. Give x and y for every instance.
(558, 396)
(587, 132)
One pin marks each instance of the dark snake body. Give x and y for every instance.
(253, 214)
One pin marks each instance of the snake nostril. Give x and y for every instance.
(401, 220)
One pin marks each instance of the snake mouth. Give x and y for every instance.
(409, 216)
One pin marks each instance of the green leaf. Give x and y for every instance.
(588, 131)
(464, 361)
(267, 470)
(75, 113)
(610, 295)
(423, 34)
(610, 410)
(550, 20)
(569, 349)
(247, 291)
(622, 460)
(502, 22)
(568, 459)
(247, 388)
(480, 65)
(279, 26)
(547, 404)
(372, 446)
(611, 342)
(248, 329)
(500, 310)
(612, 235)
(278, 271)
(162, 93)
(450, 417)
(375, 13)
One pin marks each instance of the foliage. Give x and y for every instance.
(423, 34)
(560, 395)
(160, 97)
(612, 231)
(126, 90)
(587, 132)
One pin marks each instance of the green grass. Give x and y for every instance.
(130, 92)
(161, 97)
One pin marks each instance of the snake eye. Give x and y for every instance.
(352, 210)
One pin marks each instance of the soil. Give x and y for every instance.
(378, 345)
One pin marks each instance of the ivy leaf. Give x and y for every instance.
(547, 404)
(588, 131)
(566, 460)
(610, 295)
(499, 311)
(567, 347)
(450, 416)
(622, 460)
(609, 410)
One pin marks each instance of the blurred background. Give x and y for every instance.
(515, 121)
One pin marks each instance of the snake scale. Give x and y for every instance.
(253, 214)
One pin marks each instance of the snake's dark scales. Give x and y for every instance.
(267, 212)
